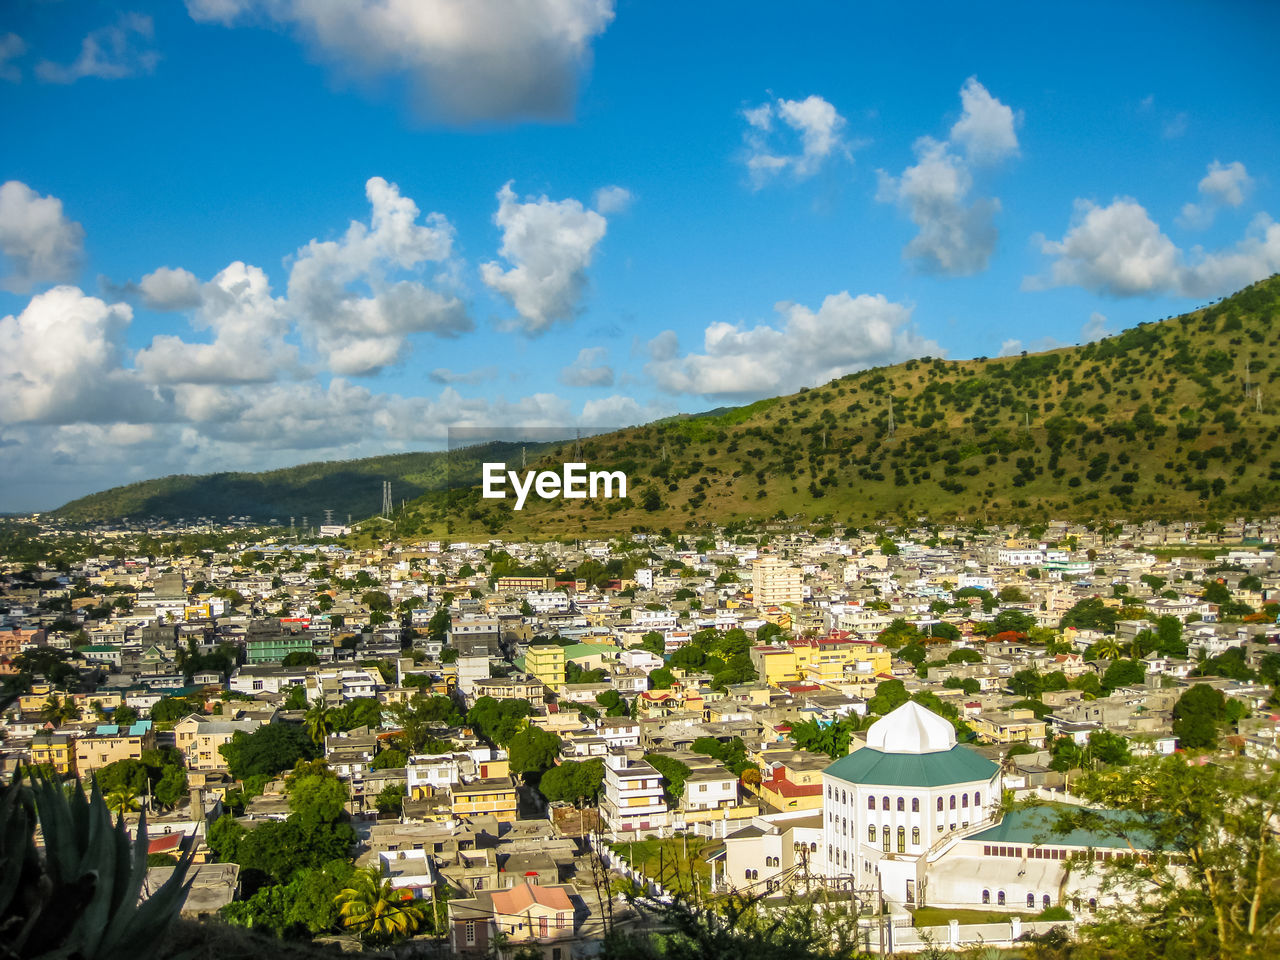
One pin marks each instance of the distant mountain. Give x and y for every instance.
(1178, 418)
(346, 487)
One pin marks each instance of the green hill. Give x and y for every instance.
(1178, 418)
(346, 487)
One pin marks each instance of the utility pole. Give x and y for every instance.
(892, 426)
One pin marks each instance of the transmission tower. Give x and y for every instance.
(892, 426)
(328, 517)
(577, 447)
(386, 499)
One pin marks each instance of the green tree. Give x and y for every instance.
(390, 799)
(375, 911)
(315, 793)
(674, 773)
(271, 749)
(890, 694)
(318, 721)
(1208, 884)
(573, 781)
(661, 679)
(300, 658)
(1123, 673)
(1196, 716)
(533, 750)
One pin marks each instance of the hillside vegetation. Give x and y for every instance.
(1178, 418)
(346, 486)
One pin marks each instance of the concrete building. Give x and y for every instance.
(774, 582)
(633, 800)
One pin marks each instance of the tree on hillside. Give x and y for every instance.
(533, 750)
(573, 781)
(1196, 717)
(271, 749)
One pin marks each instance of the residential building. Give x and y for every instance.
(774, 582)
(633, 799)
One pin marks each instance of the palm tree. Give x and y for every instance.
(122, 801)
(374, 909)
(1108, 648)
(319, 721)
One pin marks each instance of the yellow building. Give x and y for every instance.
(495, 796)
(1012, 726)
(835, 659)
(54, 750)
(199, 738)
(546, 662)
(109, 743)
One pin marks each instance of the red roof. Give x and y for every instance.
(167, 843)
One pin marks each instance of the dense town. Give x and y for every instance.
(507, 748)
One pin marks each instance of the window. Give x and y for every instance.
(844, 826)
(986, 896)
(884, 803)
(471, 931)
(911, 891)
(953, 801)
(1031, 900)
(977, 799)
(871, 803)
(829, 853)
(915, 836)
(939, 804)
(813, 847)
(843, 798)
(829, 791)
(915, 804)
(1093, 904)
(964, 800)
(902, 839)
(902, 804)
(556, 953)
(884, 838)
(1045, 901)
(1000, 897)
(871, 833)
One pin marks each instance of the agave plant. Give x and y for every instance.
(79, 896)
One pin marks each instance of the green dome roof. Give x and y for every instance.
(937, 769)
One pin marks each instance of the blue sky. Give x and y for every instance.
(582, 211)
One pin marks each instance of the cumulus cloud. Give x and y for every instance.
(359, 334)
(985, 130)
(12, 46)
(612, 200)
(466, 60)
(60, 362)
(110, 53)
(39, 242)
(1119, 250)
(1010, 347)
(169, 288)
(844, 334)
(813, 121)
(1095, 328)
(590, 369)
(956, 234)
(248, 324)
(616, 411)
(549, 244)
(1224, 185)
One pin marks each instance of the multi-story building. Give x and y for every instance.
(539, 920)
(110, 742)
(54, 750)
(546, 662)
(633, 799)
(199, 737)
(775, 582)
(495, 796)
(517, 585)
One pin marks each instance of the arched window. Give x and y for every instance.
(939, 804)
(902, 804)
(829, 848)
(1000, 897)
(915, 804)
(953, 801)
(884, 838)
(846, 859)
(746, 874)
(915, 836)
(977, 799)
(1031, 900)
(843, 798)
(871, 833)
(884, 803)
(830, 791)
(844, 826)
(902, 839)
(1045, 901)
(813, 847)
(986, 896)
(964, 800)
(1075, 904)
(1093, 904)
(871, 803)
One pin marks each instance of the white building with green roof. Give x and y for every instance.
(890, 805)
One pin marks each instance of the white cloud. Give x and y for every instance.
(1010, 348)
(590, 369)
(40, 243)
(60, 362)
(813, 120)
(12, 46)
(985, 129)
(612, 200)
(550, 244)
(169, 288)
(1224, 185)
(616, 411)
(110, 53)
(957, 235)
(468, 60)
(845, 334)
(249, 326)
(1097, 327)
(1119, 250)
(362, 334)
